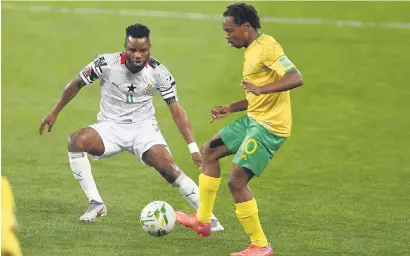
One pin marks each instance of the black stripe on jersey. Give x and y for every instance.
(99, 70)
(153, 63)
(173, 83)
(165, 89)
(100, 62)
(171, 100)
(93, 76)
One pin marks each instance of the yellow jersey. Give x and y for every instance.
(265, 63)
(9, 243)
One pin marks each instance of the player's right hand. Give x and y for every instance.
(219, 112)
(49, 120)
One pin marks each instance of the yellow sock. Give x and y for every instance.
(208, 186)
(247, 213)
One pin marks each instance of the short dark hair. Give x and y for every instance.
(137, 31)
(242, 13)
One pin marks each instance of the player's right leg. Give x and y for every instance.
(88, 141)
(210, 165)
(225, 143)
(151, 147)
(159, 157)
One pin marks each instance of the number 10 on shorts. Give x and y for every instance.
(249, 145)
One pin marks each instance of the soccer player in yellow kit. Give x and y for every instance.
(268, 75)
(10, 245)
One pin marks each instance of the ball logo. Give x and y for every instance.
(157, 214)
(161, 212)
(158, 218)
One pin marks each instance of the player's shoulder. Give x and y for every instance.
(270, 47)
(268, 41)
(111, 58)
(100, 65)
(158, 67)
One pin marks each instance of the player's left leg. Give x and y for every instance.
(253, 156)
(247, 211)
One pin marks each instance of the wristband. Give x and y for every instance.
(193, 147)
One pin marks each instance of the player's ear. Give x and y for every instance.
(246, 25)
(245, 28)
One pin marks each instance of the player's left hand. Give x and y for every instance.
(251, 88)
(196, 157)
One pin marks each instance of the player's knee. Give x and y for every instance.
(163, 163)
(76, 143)
(208, 153)
(158, 158)
(235, 185)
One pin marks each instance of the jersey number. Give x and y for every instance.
(129, 99)
(249, 145)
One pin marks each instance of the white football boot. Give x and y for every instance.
(216, 226)
(94, 210)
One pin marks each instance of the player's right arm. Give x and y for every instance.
(70, 91)
(224, 110)
(89, 74)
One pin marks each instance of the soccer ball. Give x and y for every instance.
(158, 218)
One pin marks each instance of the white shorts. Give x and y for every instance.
(136, 138)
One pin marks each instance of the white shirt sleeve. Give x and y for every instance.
(93, 70)
(166, 85)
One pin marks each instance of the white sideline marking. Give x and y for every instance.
(202, 16)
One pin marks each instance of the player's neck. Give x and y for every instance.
(253, 36)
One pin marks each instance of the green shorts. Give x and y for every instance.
(252, 144)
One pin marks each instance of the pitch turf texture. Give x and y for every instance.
(339, 186)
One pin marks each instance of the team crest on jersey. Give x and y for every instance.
(147, 88)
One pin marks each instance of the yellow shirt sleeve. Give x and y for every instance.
(275, 59)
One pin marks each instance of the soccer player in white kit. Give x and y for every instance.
(126, 121)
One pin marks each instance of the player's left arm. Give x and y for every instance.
(167, 89)
(182, 122)
(274, 58)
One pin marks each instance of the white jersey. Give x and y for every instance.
(127, 97)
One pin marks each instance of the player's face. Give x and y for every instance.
(235, 34)
(137, 51)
